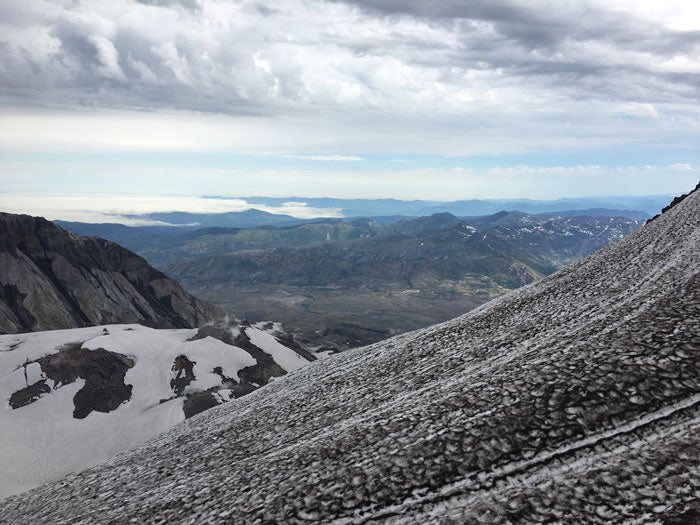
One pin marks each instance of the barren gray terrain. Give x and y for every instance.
(574, 399)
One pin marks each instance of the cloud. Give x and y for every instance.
(319, 77)
(108, 57)
(636, 109)
(101, 208)
(411, 55)
(342, 158)
(186, 4)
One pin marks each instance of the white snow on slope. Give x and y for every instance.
(286, 358)
(41, 441)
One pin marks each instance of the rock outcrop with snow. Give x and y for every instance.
(76, 397)
(573, 400)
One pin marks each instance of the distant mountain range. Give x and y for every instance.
(176, 245)
(348, 283)
(575, 399)
(381, 211)
(243, 219)
(163, 244)
(594, 212)
(51, 278)
(473, 207)
(336, 283)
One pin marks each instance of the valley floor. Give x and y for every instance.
(342, 318)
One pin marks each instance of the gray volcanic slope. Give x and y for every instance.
(51, 278)
(575, 399)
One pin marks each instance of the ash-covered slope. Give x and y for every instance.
(575, 399)
(76, 397)
(51, 279)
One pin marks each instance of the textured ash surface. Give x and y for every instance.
(575, 399)
(53, 279)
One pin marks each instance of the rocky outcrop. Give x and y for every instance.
(51, 279)
(677, 200)
(103, 372)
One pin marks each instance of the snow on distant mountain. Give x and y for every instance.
(76, 397)
(572, 400)
(592, 212)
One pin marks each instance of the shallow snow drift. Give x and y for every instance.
(76, 397)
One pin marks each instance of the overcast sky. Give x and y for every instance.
(449, 99)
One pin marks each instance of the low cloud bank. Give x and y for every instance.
(126, 209)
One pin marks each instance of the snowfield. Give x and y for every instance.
(285, 357)
(42, 441)
(572, 400)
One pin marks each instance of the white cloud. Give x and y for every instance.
(138, 189)
(681, 167)
(637, 109)
(116, 208)
(314, 57)
(449, 135)
(676, 15)
(170, 58)
(108, 57)
(343, 158)
(143, 70)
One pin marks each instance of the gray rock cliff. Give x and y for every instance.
(53, 279)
